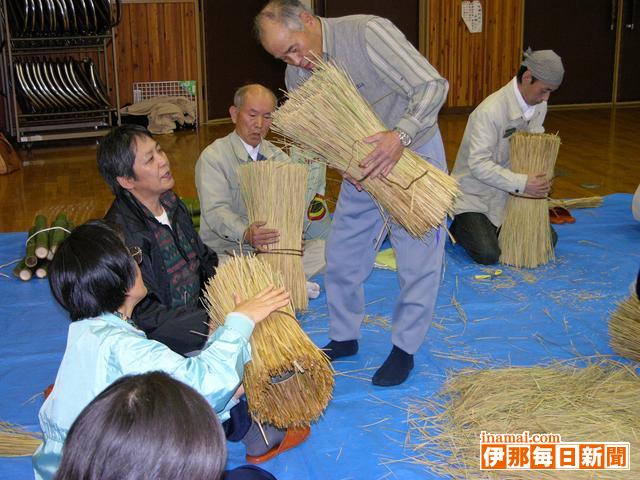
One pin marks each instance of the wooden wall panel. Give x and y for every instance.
(156, 42)
(503, 42)
(475, 64)
(454, 51)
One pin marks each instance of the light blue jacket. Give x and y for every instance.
(100, 350)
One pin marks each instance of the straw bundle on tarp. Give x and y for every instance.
(624, 329)
(289, 380)
(525, 235)
(571, 203)
(328, 115)
(597, 403)
(17, 442)
(274, 192)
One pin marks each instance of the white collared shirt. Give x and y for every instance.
(527, 110)
(252, 151)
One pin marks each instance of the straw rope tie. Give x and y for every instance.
(45, 230)
(386, 179)
(281, 251)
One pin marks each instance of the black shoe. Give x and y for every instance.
(395, 369)
(335, 349)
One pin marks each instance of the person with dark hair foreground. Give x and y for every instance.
(483, 164)
(148, 426)
(94, 277)
(176, 263)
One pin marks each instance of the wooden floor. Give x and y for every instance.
(599, 155)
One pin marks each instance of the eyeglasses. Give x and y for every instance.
(136, 253)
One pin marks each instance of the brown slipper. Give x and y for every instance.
(293, 438)
(47, 391)
(564, 214)
(555, 217)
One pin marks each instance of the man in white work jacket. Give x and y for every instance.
(483, 166)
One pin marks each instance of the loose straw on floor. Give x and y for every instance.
(289, 380)
(328, 115)
(597, 403)
(571, 203)
(17, 442)
(624, 329)
(274, 192)
(525, 235)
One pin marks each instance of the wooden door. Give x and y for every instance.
(584, 35)
(405, 14)
(233, 56)
(629, 66)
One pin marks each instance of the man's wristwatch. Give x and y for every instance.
(405, 139)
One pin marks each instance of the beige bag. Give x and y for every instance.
(9, 160)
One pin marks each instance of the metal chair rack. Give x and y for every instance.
(59, 68)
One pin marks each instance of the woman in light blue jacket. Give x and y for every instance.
(94, 277)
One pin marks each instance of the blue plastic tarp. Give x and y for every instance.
(521, 317)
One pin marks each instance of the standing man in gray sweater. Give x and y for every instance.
(406, 92)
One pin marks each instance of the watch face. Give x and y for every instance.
(405, 139)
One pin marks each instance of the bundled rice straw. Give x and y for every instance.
(525, 235)
(274, 192)
(598, 403)
(289, 380)
(328, 115)
(584, 202)
(17, 442)
(624, 329)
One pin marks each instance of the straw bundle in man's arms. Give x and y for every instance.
(328, 115)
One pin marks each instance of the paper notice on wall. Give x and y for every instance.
(472, 15)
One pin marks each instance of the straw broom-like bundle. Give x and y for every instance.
(598, 403)
(328, 115)
(289, 380)
(17, 442)
(624, 329)
(274, 192)
(525, 235)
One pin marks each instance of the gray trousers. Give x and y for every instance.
(351, 251)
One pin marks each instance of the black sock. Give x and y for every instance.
(335, 349)
(395, 369)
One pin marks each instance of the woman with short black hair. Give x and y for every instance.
(92, 272)
(95, 278)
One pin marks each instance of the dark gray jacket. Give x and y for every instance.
(154, 315)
